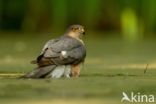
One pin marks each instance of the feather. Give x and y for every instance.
(65, 50)
(39, 72)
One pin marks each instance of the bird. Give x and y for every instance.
(61, 56)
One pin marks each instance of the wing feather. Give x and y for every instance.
(52, 51)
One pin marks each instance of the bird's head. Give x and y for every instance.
(76, 31)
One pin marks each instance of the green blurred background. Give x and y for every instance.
(42, 16)
(120, 40)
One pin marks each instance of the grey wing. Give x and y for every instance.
(48, 44)
(42, 59)
(65, 43)
(52, 51)
(73, 56)
(78, 54)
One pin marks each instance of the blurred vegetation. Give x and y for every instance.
(97, 15)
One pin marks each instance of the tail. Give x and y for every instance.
(39, 72)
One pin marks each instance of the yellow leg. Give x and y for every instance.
(75, 70)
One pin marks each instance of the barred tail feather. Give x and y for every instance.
(40, 72)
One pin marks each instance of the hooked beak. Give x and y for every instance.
(83, 31)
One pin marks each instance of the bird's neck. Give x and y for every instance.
(76, 36)
(73, 35)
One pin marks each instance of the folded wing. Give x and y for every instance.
(51, 53)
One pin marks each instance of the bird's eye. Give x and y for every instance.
(77, 28)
